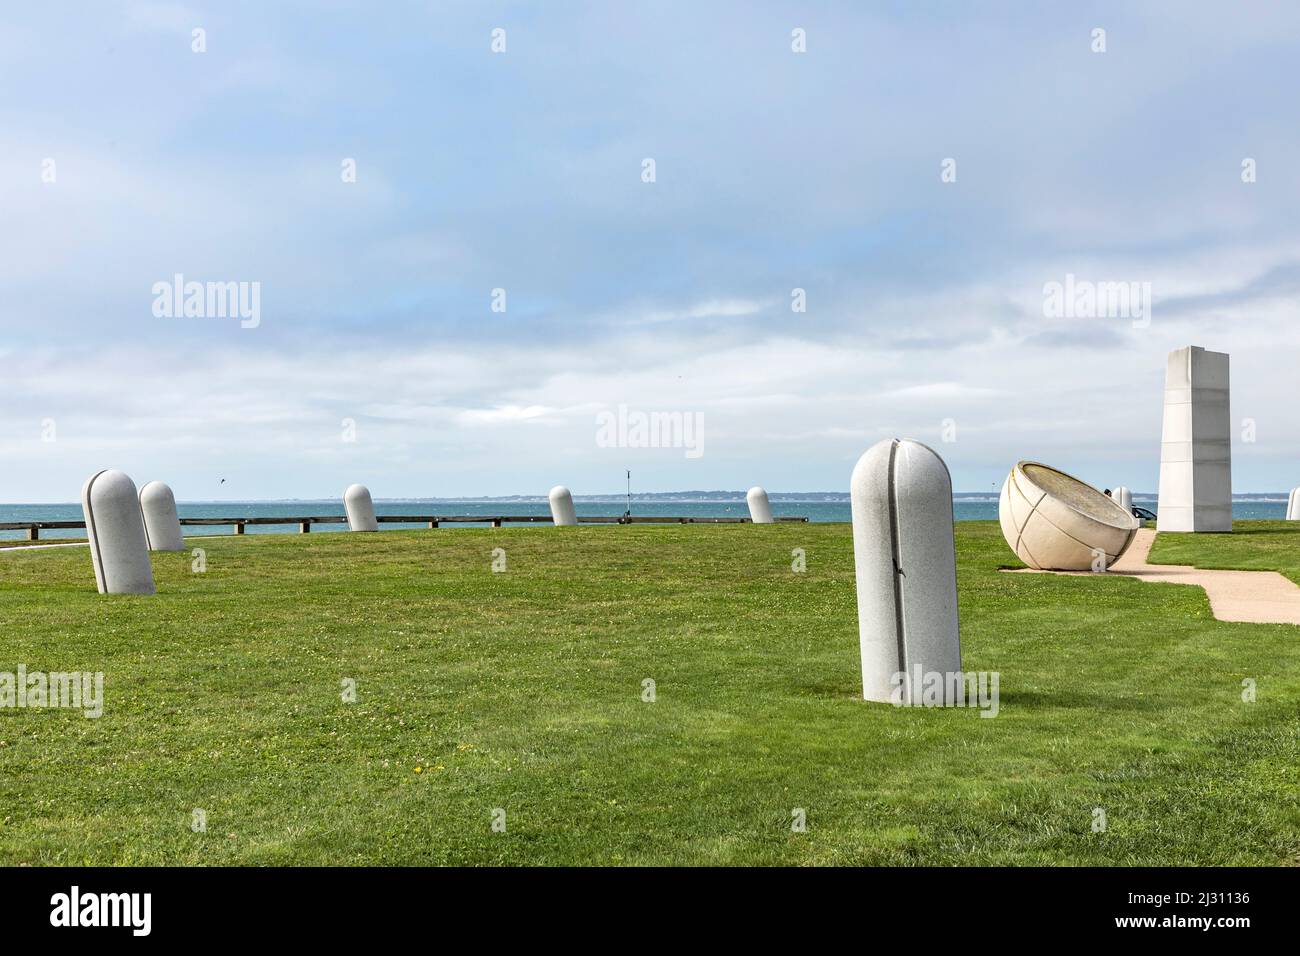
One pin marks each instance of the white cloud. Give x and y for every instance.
(507, 415)
(711, 309)
(775, 171)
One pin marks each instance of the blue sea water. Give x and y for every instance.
(964, 509)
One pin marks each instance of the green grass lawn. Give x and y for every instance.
(1252, 546)
(522, 690)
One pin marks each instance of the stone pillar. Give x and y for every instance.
(562, 510)
(906, 564)
(760, 509)
(360, 508)
(1124, 498)
(115, 528)
(162, 526)
(1293, 505)
(1196, 444)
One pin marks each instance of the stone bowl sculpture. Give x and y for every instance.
(1055, 522)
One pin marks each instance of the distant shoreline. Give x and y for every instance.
(683, 497)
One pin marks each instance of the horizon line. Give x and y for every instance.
(619, 496)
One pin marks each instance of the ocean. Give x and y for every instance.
(816, 508)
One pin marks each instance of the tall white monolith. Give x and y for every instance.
(115, 528)
(760, 509)
(562, 510)
(360, 508)
(906, 564)
(1124, 498)
(1293, 505)
(1196, 443)
(162, 526)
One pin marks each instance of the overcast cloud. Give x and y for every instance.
(522, 171)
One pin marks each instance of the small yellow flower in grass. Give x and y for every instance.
(419, 770)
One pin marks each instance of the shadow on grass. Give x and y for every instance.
(1037, 700)
(1074, 700)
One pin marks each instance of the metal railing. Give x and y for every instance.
(304, 522)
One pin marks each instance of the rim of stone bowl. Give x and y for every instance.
(1109, 512)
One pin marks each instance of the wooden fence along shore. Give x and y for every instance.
(304, 523)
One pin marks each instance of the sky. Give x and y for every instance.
(463, 265)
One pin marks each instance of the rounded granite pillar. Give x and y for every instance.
(1293, 505)
(360, 509)
(115, 528)
(760, 509)
(906, 561)
(1124, 498)
(562, 510)
(162, 526)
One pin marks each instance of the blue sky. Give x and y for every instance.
(522, 170)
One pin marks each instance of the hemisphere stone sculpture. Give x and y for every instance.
(760, 509)
(906, 564)
(1055, 522)
(562, 510)
(1293, 505)
(360, 509)
(162, 526)
(115, 528)
(1196, 443)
